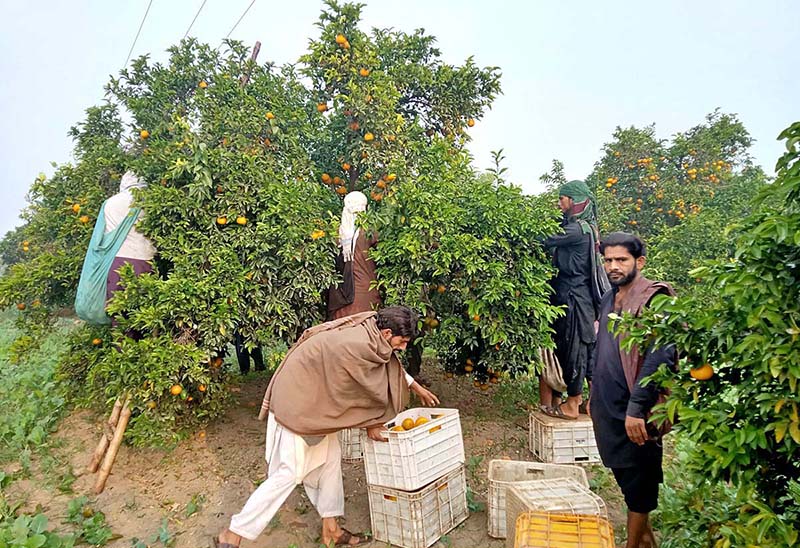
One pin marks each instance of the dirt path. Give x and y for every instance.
(222, 465)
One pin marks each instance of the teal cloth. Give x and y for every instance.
(90, 299)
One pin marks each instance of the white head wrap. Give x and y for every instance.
(354, 203)
(129, 181)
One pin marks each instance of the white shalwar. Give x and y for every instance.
(292, 462)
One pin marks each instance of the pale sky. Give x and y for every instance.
(572, 70)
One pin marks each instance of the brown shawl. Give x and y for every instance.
(340, 374)
(640, 293)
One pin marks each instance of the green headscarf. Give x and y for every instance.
(579, 192)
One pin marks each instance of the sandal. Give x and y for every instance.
(215, 543)
(347, 536)
(558, 413)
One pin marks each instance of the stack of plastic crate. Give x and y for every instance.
(562, 441)
(416, 481)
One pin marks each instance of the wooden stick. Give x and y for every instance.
(105, 437)
(113, 448)
(246, 77)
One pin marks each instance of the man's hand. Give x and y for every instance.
(636, 429)
(374, 433)
(426, 396)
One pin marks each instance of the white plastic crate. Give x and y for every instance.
(559, 496)
(562, 441)
(415, 458)
(418, 519)
(352, 443)
(505, 473)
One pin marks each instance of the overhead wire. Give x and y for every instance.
(185, 34)
(137, 33)
(240, 20)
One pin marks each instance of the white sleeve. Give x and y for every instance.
(409, 378)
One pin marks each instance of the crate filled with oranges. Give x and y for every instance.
(423, 445)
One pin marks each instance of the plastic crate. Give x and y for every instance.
(352, 444)
(415, 458)
(562, 441)
(505, 473)
(550, 530)
(560, 496)
(420, 518)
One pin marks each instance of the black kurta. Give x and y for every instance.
(612, 401)
(574, 332)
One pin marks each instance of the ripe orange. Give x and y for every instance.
(341, 190)
(36, 302)
(397, 428)
(222, 220)
(190, 398)
(217, 362)
(341, 39)
(353, 126)
(494, 380)
(176, 390)
(476, 318)
(408, 424)
(144, 134)
(476, 383)
(326, 178)
(484, 387)
(322, 107)
(368, 137)
(391, 138)
(20, 306)
(337, 180)
(391, 177)
(270, 116)
(468, 368)
(470, 122)
(380, 184)
(25, 248)
(364, 72)
(219, 189)
(702, 373)
(267, 143)
(76, 208)
(201, 388)
(441, 289)
(241, 220)
(420, 421)
(202, 84)
(346, 166)
(97, 342)
(317, 234)
(470, 362)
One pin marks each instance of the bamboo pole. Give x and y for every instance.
(105, 437)
(113, 448)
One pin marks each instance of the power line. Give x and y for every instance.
(137, 33)
(240, 19)
(195, 19)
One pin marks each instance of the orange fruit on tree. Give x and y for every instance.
(222, 220)
(476, 383)
(144, 134)
(391, 177)
(408, 423)
(202, 84)
(217, 362)
(341, 190)
(76, 208)
(337, 180)
(470, 362)
(267, 143)
(190, 398)
(84, 219)
(36, 302)
(468, 368)
(364, 72)
(346, 166)
(702, 373)
(322, 107)
(420, 421)
(20, 306)
(25, 248)
(484, 387)
(368, 137)
(97, 342)
(476, 318)
(317, 234)
(380, 184)
(270, 116)
(241, 220)
(341, 39)
(326, 178)
(201, 388)
(441, 289)
(470, 122)
(354, 126)
(176, 390)
(346, 45)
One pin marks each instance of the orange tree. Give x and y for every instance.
(736, 391)
(679, 194)
(247, 164)
(463, 250)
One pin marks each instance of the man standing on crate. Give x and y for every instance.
(340, 374)
(620, 404)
